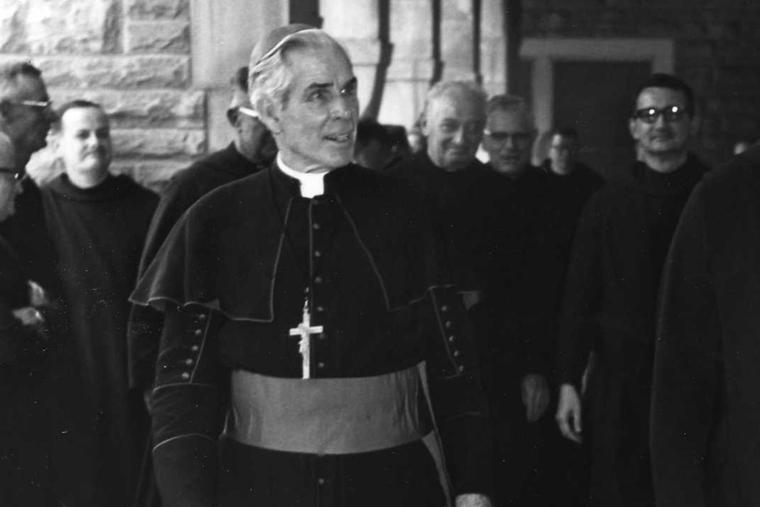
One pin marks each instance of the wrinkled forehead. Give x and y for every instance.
(455, 105)
(509, 121)
(318, 65)
(84, 118)
(656, 96)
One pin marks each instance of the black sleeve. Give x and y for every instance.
(581, 299)
(456, 393)
(186, 408)
(687, 369)
(145, 323)
(143, 337)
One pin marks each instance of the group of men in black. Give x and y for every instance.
(556, 273)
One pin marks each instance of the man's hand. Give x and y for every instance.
(473, 500)
(29, 316)
(569, 413)
(37, 295)
(535, 396)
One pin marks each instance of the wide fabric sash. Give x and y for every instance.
(327, 416)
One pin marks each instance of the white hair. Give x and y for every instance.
(269, 78)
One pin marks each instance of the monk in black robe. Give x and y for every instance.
(611, 295)
(705, 417)
(300, 301)
(98, 224)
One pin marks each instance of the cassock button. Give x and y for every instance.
(185, 375)
(201, 317)
(317, 253)
(461, 369)
(317, 279)
(320, 365)
(448, 324)
(198, 332)
(321, 481)
(456, 353)
(321, 309)
(451, 339)
(189, 361)
(195, 348)
(316, 226)
(444, 308)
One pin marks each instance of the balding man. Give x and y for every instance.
(300, 301)
(459, 188)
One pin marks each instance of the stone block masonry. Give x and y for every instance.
(131, 56)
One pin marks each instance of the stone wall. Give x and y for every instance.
(715, 51)
(133, 57)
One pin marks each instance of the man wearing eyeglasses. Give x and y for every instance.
(533, 459)
(610, 297)
(25, 117)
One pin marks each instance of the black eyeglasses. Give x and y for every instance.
(670, 113)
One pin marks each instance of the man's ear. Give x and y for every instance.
(269, 114)
(424, 124)
(632, 128)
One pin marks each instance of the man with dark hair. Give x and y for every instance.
(98, 223)
(705, 415)
(301, 302)
(611, 295)
(251, 150)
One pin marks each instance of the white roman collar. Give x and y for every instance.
(312, 182)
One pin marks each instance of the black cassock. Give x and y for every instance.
(26, 420)
(609, 308)
(705, 411)
(186, 187)
(232, 279)
(98, 235)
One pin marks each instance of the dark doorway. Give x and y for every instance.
(595, 98)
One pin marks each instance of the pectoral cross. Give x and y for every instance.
(305, 330)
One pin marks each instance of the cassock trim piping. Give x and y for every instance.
(182, 436)
(214, 305)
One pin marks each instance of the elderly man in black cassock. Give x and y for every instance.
(300, 302)
(705, 417)
(611, 295)
(98, 222)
